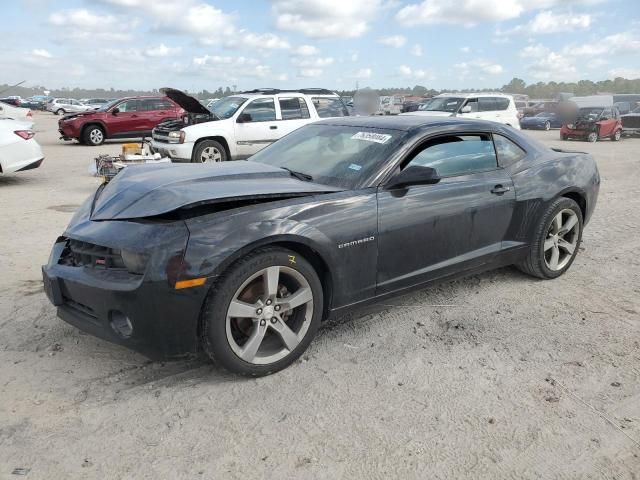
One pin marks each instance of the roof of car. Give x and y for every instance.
(404, 122)
(474, 94)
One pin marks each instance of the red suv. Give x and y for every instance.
(123, 118)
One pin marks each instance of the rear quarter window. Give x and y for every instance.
(328, 107)
(508, 152)
(502, 103)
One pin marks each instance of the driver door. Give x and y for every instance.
(430, 231)
(256, 127)
(126, 121)
(607, 123)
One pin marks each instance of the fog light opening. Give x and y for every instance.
(121, 324)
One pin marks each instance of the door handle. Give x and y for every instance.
(500, 190)
(273, 127)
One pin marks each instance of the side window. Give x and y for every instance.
(487, 104)
(508, 152)
(261, 110)
(293, 108)
(128, 106)
(457, 155)
(607, 114)
(328, 107)
(473, 103)
(501, 103)
(150, 104)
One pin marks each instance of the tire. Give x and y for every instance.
(93, 135)
(592, 137)
(564, 137)
(616, 136)
(547, 126)
(60, 111)
(284, 333)
(539, 261)
(209, 151)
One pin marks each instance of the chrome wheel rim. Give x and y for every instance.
(562, 240)
(210, 154)
(269, 315)
(592, 137)
(547, 126)
(617, 135)
(96, 135)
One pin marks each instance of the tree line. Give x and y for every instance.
(516, 85)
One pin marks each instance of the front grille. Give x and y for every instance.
(84, 254)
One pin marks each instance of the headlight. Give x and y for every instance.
(176, 137)
(134, 262)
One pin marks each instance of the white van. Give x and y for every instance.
(496, 107)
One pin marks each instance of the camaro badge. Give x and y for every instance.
(356, 242)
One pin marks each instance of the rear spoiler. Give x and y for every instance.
(560, 150)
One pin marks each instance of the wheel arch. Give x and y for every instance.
(91, 124)
(218, 138)
(577, 196)
(301, 245)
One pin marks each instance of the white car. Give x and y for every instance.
(238, 126)
(496, 107)
(19, 151)
(24, 115)
(60, 106)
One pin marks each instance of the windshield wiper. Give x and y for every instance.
(299, 175)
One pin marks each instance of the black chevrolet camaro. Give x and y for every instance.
(243, 260)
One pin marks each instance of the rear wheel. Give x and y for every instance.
(60, 111)
(556, 242)
(93, 135)
(263, 313)
(592, 137)
(617, 135)
(547, 125)
(209, 151)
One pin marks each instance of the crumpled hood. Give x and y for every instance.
(141, 191)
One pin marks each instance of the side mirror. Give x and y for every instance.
(466, 109)
(244, 118)
(414, 175)
(115, 111)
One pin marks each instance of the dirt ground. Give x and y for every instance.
(494, 376)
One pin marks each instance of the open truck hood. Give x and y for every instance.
(142, 191)
(187, 102)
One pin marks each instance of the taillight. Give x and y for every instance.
(26, 134)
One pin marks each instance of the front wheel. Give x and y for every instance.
(547, 125)
(592, 137)
(209, 151)
(93, 135)
(617, 135)
(262, 314)
(556, 242)
(60, 111)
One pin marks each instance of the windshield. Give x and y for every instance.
(107, 106)
(589, 113)
(443, 104)
(336, 155)
(226, 107)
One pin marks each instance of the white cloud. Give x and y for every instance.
(354, 57)
(479, 66)
(628, 73)
(416, 50)
(616, 44)
(81, 18)
(326, 18)
(533, 51)
(363, 73)
(80, 25)
(306, 50)
(465, 49)
(313, 62)
(266, 41)
(395, 41)
(41, 53)
(472, 12)
(553, 66)
(550, 22)
(410, 73)
(162, 51)
(310, 72)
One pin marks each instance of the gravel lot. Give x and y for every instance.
(494, 376)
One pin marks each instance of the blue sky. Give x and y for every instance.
(195, 44)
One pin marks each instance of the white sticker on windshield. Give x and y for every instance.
(372, 137)
(355, 166)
